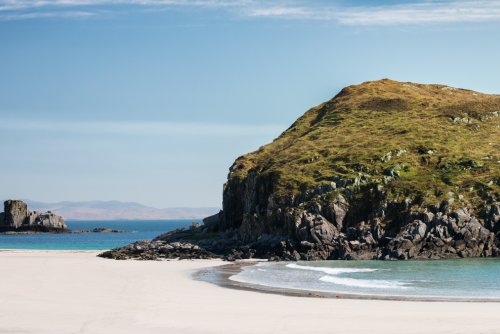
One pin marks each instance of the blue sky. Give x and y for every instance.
(151, 101)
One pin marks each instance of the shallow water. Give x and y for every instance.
(461, 279)
(137, 230)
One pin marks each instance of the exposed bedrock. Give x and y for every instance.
(15, 212)
(324, 224)
(332, 229)
(17, 218)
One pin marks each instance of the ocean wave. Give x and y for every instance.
(364, 283)
(331, 271)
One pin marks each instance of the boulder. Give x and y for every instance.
(316, 229)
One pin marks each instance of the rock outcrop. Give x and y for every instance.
(15, 213)
(384, 170)
(17, 218)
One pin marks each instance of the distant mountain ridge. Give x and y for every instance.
(110, 210)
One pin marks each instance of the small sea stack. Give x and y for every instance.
(17, 218)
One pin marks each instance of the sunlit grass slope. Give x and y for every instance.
(423, 142)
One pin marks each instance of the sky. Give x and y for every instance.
(152, 100)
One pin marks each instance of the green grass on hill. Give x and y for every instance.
(431, 141)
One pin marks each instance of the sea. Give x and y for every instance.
(461, 279)
(457, 279)
(136, 230)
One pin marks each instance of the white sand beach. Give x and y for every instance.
(76, 292)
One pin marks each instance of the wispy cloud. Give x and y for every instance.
(32, 9)
(421, 13)
(413, 13)
(30, 4)
(143, 128)
(289, 12)
(36, 15)
(418, 12)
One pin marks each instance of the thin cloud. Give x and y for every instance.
(32, 9)
(416, 13)
(38, 4)
(290, 12)
(36, 15)
(142, 128)
(440, 12)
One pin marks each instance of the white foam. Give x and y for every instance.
(364, 283)
(331, 271)
(333, 277)
(238, 278)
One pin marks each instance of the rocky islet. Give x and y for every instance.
(17, 218)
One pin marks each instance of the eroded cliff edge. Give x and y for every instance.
(383, 170)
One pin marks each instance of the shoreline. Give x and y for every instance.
(220, 276)
(55, 251)
(60, 292)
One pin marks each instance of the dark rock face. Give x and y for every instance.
(426, 235)
(321, 226)
(17, 218)
(15, 212)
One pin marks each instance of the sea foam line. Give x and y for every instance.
(333, 273)
(364, 283)
(330, 271)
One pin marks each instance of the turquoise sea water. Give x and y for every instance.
(470, 279)
(450, 279)
(137, 230)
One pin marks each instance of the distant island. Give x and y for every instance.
(116, 210)
(384, 170)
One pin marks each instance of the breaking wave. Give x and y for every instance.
(364, 283)
(330, 271)
(430, 280)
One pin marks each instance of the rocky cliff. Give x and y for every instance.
(383, 170)
(17, 218)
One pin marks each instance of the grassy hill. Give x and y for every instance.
(426, 143)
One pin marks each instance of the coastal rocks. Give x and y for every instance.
(158, 250)
(48, 220)
(100, 230)
(434, 236)
(445, 236)
(315, 229)
(17, 218)
(328, 225)
(331, 229)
